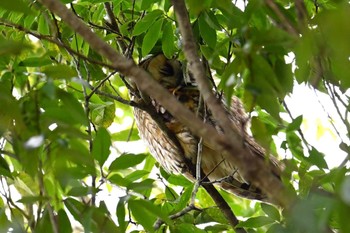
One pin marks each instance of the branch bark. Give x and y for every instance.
(250, 166)
(253, 169)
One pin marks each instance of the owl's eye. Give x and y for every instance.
(166, 70)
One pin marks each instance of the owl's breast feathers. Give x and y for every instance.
(219, 166)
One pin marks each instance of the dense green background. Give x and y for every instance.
(55, 112)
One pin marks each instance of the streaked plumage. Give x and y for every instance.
(220, 167)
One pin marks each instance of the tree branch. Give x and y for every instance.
(253, 169)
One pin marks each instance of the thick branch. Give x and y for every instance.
(252, 168)
(255, 170)
(198, 71)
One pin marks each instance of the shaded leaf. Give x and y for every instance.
(271, 211)
(101, 145)
(126, 161)
(144, 24)
(11, 47)
(59, 71)
(16, 5)
(317, 159)
(208, 34)
(146, 213)
(186, 228)
(151, 37)
(63, 223)
(168, 40)
(295, 125)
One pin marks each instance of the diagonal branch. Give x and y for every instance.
(197, 69)
(252, 168)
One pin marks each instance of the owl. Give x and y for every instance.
(171, 152)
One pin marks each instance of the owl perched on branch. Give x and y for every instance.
(172, 144)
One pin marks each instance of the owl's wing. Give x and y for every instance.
(221, 168)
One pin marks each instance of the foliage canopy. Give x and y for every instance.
(65, 114)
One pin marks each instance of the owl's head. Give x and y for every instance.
(168, 72)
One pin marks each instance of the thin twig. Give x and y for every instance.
(59, 43)
(115, 27)
(307, 145)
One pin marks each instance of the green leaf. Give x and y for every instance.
(101, 146)
(126, 161)
(170, 194)
(256, 222)
(145, 4)
(5, 223)
(217, 215)
(11, 47)
(4, 167)
(185, 197)
(185, 228)
(35, 62)
(63, 221)
(146, 213)
(168, 40)
(79, 191)
(44, 224)
(179, 180)
(145, 23)
(121, 214)
(294, 144)
(276, 228)
(295, 125)
(271, 211)
(317, 158)
(138, 174)
(73, 107)
(151, 37)
(59, 71)
(119, 180)
(126, 135)
(260, 132)
(43, 26)
(106, 113)
(140, 187)
(208, 34)
(16, 5)
(31, 199)
(196, 7)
